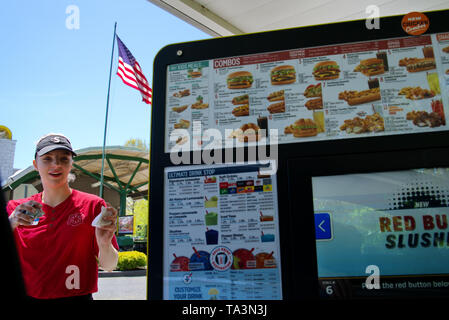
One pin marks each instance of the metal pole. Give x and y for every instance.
(106, 120)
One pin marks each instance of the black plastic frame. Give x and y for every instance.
(326, 34)
(301, 172)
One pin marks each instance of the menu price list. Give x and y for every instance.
(235, 285)
(221, 231)
(412, 286)
(371, 88)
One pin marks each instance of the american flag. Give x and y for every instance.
(130, 72)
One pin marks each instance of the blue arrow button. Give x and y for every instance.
(323, 229)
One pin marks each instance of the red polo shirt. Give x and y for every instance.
(59, 255)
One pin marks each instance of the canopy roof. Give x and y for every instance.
(231, 17)
(125, 168)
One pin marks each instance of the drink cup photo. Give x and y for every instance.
(428, 52)
(262, 122)
(318, 117)
(383, 56)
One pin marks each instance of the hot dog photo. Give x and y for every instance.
(356, 97)
(313, 90)
(415, 64)
(276, 96)
(277, 99)
(242, 105)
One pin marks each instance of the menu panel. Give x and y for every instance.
(372, 88)
(221, 234)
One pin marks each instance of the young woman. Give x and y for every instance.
(60, 255)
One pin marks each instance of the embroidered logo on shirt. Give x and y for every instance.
(75, 219)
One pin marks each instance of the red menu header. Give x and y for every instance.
(443, 36)
(326, 51)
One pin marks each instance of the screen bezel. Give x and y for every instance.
(326, 34)
(302, 170)
(286, 39)
(281, 251)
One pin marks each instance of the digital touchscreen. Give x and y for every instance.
(383, 233)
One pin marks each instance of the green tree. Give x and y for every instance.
(138, 143)
(141, 218)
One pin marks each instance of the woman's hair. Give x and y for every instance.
(71, 178)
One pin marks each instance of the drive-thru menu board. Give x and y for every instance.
(372, 88)
(221, 233)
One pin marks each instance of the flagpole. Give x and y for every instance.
(106, 119)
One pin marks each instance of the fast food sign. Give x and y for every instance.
(415, 23)
(361, 94)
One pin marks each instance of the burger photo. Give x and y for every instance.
(248, 132)
(239, 80)
(326, 70)
(194, 74)
(284, 74)
(302, 128)
(370, 67)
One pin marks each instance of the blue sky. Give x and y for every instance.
(55, 79)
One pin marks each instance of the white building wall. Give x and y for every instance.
(7, 149)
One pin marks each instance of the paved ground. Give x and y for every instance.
(121, 288)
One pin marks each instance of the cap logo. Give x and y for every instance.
(55, 140)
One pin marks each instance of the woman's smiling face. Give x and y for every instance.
(54, 167)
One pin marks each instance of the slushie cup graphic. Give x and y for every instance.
(211, 203)
(265, 217)
(267, 237)
(213, 293)
(244, 259)
(180, 264)
(211, 218)
(199, 261)
(210, 180)
(265, 260)
(211, 236)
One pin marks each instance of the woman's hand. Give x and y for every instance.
(107, 256)
(105, 233)
(19, 217)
